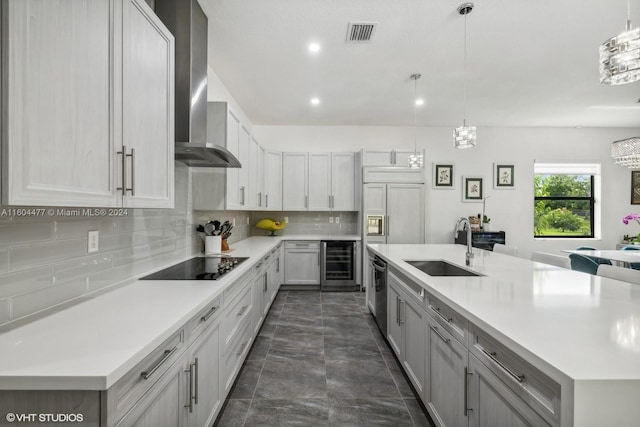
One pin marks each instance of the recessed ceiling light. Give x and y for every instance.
(419, 101)
(314, 47)
(315, 101)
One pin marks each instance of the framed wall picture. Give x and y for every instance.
(635, 187)
(472, 190)
(443, 176)
(503, 176)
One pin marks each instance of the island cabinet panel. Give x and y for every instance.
(26, 402)
(492, 403)
(445, 377)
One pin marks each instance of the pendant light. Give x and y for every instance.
(620, 56)
(626, 152)
(465, 136)
(416, 159)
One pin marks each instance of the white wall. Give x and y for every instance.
(510, 210)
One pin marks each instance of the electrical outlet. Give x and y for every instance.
(330, 220)
(247, 220)
(286, 219)
(337, 220)
(233, 222)
(94, 240)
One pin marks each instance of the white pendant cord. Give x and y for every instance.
(464, 81)
(415, 113)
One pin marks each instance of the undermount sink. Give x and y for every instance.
(441, 268)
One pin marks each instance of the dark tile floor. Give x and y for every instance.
(320, 360)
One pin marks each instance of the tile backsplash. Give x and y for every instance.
(44, 262)
(309, 223)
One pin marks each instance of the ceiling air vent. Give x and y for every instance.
(360, 32)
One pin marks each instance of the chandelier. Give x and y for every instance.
(620, 56)
(465, 136)
(416, 159)
(626, 152)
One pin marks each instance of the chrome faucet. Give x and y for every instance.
(465, 222)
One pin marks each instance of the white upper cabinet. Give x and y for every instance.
(83, 79)
(272, 181)
(343, 182)
(319, 181)
(147, 108)
(294, 181)
(252, 175)
(387, 157)
(329, 182)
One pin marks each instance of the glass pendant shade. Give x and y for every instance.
(464, 137)
(416, 161)
(620, 58)
(626, 152)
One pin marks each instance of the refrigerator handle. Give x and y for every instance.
(322, 261)
(385, 229)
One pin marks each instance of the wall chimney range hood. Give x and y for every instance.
(188, 23)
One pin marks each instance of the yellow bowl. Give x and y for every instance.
(270, 224)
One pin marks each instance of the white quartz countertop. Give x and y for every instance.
(582, 326)
(91, 345)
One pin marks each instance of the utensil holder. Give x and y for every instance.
(225, 245)
(213, 245)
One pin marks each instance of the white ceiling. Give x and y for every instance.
(530, 63)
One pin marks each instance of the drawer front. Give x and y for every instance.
(538, 390)
(302, 245)
(413, 291)
(236, 312)
(235, 354)
(231, 293)
(207, 316)
(453, 322)
(130, 388)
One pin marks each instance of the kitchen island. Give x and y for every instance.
(578, 333)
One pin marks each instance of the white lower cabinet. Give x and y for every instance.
(203, 386)
(405, 331)
(464, 376)
(302, 263)
(163, 404)
(492, 403)
(445, 386)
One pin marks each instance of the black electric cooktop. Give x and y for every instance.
(198, 268)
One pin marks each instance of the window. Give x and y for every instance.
(565, 200)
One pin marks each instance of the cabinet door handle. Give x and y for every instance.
(241, 349)
(266, 200)
(388, 234)
(190, 402)
(442, 337)
(259, 199)
(132, 189)
(242, 310)
(402, 308)
(306, 201)
(501, 365)
(397, 310)
(195, 365)
(209, 313)
(391, 157)
(124, 170)
(264, 282)
(466, 390)
(436, 310)
(167, 354)
(242, 191)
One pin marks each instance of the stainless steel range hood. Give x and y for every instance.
(188, 23)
